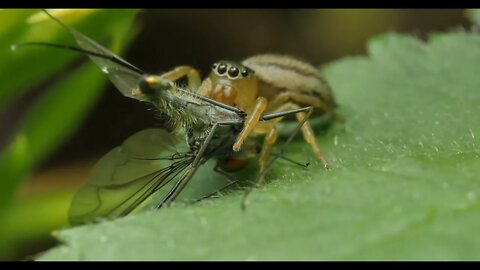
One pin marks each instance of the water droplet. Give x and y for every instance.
(105, 70)
(13, 47)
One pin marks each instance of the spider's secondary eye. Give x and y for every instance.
(222, 68)
(245, 72)
(233, 72)
(214, 66)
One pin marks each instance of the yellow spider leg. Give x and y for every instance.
(272, 134)
(307, 131)
(308, 100)
(205, 88)
(251, 122)
(309, 136)
(192, 74)
(283, 97)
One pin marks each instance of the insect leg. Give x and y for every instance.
(271, 131)
(231, 182)
(289, 139)
(219, 170)
(209, 138)
(307, 131)
(234, 181)
(180, 185)
(251, 122)
(309, 111)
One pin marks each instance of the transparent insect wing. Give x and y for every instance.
(127, 175)
(125, 79)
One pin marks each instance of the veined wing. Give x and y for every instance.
(129, 174)
(121, 73)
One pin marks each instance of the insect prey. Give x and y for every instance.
(152, 159)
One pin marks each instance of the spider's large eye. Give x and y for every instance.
(233, 72)
(221, 69)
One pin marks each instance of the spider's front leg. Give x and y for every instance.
(301, 98)
(193, 76)
(271, 131)
(150, 83)
(251, 122)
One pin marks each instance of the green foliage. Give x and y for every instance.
(403, 185)
(58, 113)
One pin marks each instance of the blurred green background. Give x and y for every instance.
(58, 115)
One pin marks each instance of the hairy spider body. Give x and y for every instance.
(265, 83)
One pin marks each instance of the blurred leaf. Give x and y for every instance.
(60, 111)
(33, 65)
(31, 220)
(474, 15)
(404, 183)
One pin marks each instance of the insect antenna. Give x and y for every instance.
(175, 156)
(123, 64)
(77, 49)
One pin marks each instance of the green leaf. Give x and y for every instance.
(58, 113)
(404, 183)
